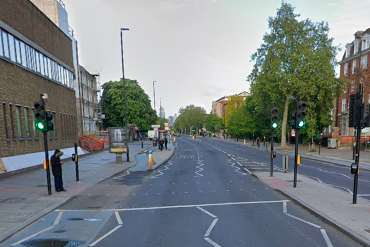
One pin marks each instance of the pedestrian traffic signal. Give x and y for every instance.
(301, 114)
(40, 114)
(274, 118)
(365, 118)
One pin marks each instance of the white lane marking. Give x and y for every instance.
(166, 167)
(106, 235)
(363, 194)
(285, 210)
(211, 242)
(248, 170)
(169, 207)
(200, 169)
(210, 228)
(305, 221)
(33, 235)
(57, 220)
(237, 168)
(327, 240)
(205, 211)
(327, 171)
(118, 217)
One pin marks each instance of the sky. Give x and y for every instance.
(196, 50)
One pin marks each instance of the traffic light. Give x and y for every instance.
(40, 114)
(352, 111)
(365, 118)
(292, 123)
(274, 118)
(301, 114)
(43, 118)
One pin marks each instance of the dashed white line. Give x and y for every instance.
(106, 235)
(33, 235)
(327, 240)
(285, 210)
(205, 211)
(210, 228)
(57, 220)
(305, 221)
(118, 217)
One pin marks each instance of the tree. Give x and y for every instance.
(190, 117)
(233, 105)
(213, 123)
(161, 122)
(139, 110)
(296, 59)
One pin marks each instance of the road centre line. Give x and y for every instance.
(248, 170)
(105, 235)
(57, 220)
(171, 207)
(33, 235)
(119, 220)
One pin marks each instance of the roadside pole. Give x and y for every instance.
(272, 154)
(296, 154)
(76, 163)
(358, 98)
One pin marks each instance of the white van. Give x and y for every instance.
(151, 134)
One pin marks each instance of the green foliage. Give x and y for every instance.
(297, 58)
(213, 123)
(161, 122)
(139, 110)
(190, 117)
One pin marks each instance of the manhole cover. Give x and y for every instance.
(52, 243)
(75, 219)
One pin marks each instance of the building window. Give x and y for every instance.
(5, 122)
(54, 120)
(354, 63)
(1, 45)
(343, 126)
(364, 62)
(365, 43)
(19, 122)
(344, 105)
(355, 49)
(346, 69)
(34, 125)
(348, 50)
(5, 44)
(11, 120)
(26, 122)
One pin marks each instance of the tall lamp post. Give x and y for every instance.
(124, 92)
(154, 94)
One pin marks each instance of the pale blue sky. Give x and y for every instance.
(197, 50)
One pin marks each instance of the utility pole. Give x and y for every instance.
(154, 94)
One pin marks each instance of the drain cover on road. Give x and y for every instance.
(52, 243)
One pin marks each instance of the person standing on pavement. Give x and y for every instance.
(56, 167)
(258, 141)
(161, 144)
(165, 142)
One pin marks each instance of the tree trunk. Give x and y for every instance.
(285, 119)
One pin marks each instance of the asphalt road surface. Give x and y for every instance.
(204, 196)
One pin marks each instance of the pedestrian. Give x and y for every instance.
(56, 167)
(161, 141)
(258, 141)
(165, 142)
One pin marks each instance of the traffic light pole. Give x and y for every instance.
(296, 155)
(46, 153)
(358, 145)
(271, 155)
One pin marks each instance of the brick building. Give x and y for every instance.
(35, 57)
(353, 70)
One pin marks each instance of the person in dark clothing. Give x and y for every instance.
(56, 167)
(165, 142)
(161, 141)
(258, 141)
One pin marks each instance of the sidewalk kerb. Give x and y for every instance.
(348, 232)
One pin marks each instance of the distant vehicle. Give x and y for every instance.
(151, 134)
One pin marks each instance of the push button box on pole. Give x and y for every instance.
(353, 168)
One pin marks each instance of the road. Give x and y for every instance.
(204, 196)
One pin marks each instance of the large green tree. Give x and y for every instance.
(213, 123)
(296, 60)
(190, 117)
(139, 110)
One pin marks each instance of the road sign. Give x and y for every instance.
(365, 130)
(166, 124)
(156, 126)
(292, 133)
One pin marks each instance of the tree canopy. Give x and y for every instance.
(190, 117)
(295, 61)
(139, 110)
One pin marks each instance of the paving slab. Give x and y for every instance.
(333, 205)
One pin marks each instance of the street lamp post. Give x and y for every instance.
(154, 94)
(124, 92)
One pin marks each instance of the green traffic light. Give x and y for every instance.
(40, 125)
(274, 125)
(301, 124)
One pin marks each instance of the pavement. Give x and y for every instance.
(340, 156)
(331, 204)
(24, 197)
